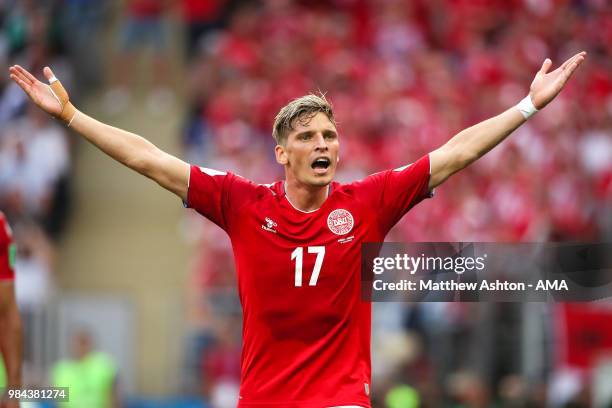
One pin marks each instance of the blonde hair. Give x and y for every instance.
(301, 109)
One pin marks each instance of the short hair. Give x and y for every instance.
(302, 109)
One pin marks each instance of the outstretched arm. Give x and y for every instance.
(128, 148)
(472, 143)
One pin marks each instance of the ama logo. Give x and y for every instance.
(340, 222)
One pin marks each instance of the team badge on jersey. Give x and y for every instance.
(340, 221)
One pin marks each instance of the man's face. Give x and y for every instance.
(310, 154)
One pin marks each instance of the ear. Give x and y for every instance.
(281, 155)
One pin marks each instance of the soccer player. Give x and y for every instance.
(10, 323)
(306, 332)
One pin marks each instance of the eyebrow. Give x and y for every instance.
(310, 132)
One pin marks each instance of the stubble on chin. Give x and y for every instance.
(321, 181)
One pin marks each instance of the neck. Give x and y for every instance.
(305, 198)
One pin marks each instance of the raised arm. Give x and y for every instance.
(472, 143)
(128, 148)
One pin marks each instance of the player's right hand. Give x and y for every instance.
(52, 98)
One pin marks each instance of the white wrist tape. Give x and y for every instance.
(526, 107)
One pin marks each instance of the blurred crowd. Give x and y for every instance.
(404, 77)
(36, 155)
(35, 152)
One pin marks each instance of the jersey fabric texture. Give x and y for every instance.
(7, 250)
(306, 331)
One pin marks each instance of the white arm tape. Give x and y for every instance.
(52, 79)
(526, 107)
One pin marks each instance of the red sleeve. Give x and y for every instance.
(7, 251)
(217, 195)
(393, 193)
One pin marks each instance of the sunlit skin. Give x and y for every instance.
(307, 187)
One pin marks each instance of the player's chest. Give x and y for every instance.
(339, 225)
(285, 248)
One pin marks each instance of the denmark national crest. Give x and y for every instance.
(340, 221)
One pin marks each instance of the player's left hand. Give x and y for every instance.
(547, 85)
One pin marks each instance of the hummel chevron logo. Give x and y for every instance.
(270, 225)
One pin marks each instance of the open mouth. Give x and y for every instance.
(321, 164)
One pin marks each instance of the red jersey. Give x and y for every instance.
(7, 250)
(306, 331)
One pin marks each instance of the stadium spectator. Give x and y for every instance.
(34, 164)
(35, 159)
(143, 28)
(79, 25)
(90, 375)
(34, 153)
(221, 365)
(200, 18)
(35, 259)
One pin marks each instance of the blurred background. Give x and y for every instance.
(131, 300)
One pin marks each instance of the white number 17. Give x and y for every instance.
(298, 255)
